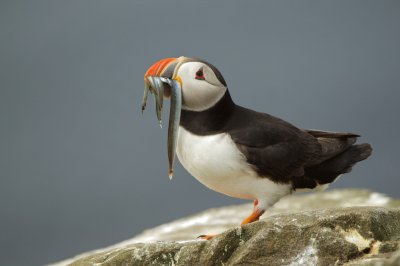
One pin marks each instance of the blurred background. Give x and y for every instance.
(82, 168)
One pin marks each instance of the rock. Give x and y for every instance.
(328, 228)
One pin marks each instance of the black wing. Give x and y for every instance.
(332, 144)
(276, 148)
(331, 134)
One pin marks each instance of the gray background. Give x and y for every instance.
(81, 168)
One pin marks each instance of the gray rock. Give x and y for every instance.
(328, 228)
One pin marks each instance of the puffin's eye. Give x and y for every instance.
(200, 74)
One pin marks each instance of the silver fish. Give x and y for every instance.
(173, 124)
(156, 87)
(154, 91)
(160, 94)
(145, 94)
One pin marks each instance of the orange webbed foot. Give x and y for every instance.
(255, 215)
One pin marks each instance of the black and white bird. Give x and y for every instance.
(243, 153)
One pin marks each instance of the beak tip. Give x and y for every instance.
(171, 174)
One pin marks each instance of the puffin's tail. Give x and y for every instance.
(327, 171)
(339, 154)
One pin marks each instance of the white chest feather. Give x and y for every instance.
(217, 163)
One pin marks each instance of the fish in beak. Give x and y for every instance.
(160, 81)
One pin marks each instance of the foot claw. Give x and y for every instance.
(206, 237)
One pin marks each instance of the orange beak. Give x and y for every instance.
(157, 68)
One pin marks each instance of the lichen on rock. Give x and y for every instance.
(342, 227)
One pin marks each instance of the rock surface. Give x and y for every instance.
(342, 227)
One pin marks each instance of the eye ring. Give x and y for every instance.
(200, 74)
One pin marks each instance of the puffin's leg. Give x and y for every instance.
(255, 215)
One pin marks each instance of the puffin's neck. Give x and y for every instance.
(210, 121)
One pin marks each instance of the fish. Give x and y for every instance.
(155, 85)
(145, 95)
(160, 94)
(173, 125)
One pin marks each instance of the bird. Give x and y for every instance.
(244, 153)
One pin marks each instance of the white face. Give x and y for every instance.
(201, 89)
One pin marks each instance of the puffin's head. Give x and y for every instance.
(192, 85)
(202, 85)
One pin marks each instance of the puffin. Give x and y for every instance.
(237, 151)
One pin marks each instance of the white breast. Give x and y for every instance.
(218, 164)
